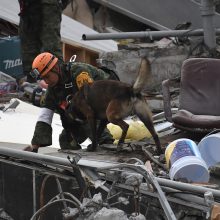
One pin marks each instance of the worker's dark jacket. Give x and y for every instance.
(56, 97)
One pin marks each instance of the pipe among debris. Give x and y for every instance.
(33, 157)
(187, 187)
(145, 34)
(51, 203)
(149, 177)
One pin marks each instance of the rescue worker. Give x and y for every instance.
(39, 30)
(63, 80)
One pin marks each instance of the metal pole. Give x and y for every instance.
(145, 34)
(33, 157)
(187, 187)
(34, 191)
(208, 12)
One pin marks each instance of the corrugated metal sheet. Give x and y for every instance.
(71, 30)
(160, 14)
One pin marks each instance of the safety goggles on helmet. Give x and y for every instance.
(35, 73)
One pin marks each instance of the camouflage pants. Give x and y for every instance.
(39, 31)
(71, 140)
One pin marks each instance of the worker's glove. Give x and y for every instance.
(30, 148)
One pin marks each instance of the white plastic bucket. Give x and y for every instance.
(209, 148)
(185, 162)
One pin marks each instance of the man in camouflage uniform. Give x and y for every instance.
(63, 80)
(39, 30)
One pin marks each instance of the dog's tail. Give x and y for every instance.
(144, 75)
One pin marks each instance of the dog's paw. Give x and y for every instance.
(119, 147)
(159, 151)
(91, 148)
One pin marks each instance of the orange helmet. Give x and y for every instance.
(43, 63)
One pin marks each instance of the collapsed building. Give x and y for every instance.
(135, 182)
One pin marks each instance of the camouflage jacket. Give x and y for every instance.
(55, 98)
(34, 6)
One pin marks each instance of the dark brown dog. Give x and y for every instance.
(112, 101)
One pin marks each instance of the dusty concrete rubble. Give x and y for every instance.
(107, 189)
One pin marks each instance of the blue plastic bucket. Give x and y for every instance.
(209, 148)
(185, 162)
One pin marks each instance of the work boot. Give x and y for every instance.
(106, 138)
(67, 142)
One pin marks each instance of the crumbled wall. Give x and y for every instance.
(165, 63)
